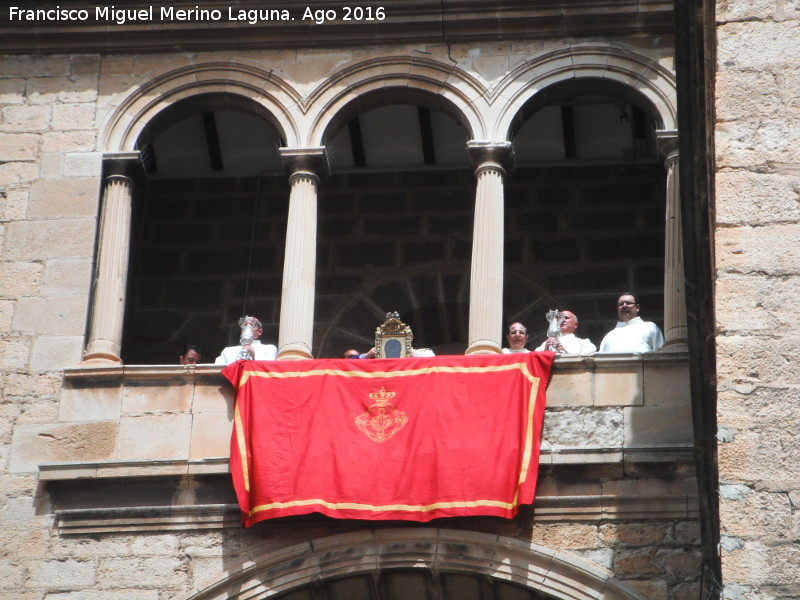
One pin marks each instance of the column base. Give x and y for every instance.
(295, 351)
(483, 347)
(676, 346)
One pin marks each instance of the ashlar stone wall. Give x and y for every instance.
(758, 296)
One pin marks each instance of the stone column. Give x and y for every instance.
(111, 270)
(675, 334)
(486, 277)
(306, 166)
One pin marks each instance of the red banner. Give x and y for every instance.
(409, 438)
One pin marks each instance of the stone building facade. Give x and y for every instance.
(542, 162)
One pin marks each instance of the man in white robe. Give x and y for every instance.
(632, 334)
(568, 342)
(257, 350)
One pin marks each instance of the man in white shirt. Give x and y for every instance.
(632, 334)
(257, 350)
(568, 342)
(517, 338)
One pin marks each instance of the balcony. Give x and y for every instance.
(144, 447)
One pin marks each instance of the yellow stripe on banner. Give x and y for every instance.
(240, 441)
(374, 508)
(375, 374)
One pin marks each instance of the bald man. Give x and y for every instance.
(568, 342)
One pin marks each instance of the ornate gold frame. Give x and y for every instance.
(393, 329)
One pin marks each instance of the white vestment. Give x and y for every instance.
(634, 336)
(262, 352)
(512, 351)
(574, 345)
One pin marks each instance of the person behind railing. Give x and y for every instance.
(191, 355)
(632, 334)
(567, 342)
(353, 353)
(517, 338)
(255, 349)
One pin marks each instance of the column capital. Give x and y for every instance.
(667, 140)
(312, 161)
(491, 155)
(127, 165)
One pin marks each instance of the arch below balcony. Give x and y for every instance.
(543, 571)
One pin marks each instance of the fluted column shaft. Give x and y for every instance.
(486, 276)
(108, 301)
(675, 331)
(299, 268)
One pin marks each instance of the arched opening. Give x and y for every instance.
(585, 206)
(208, 228)
(395, 223)
(420, 563)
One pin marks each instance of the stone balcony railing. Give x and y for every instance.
(616, 426)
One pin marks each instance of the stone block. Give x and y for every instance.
(43, 240)
(24, 118)
(14, 207)
(758, 142)
(12, 90)
(53, 353)
(155, 436)
(54, 315)
(83, 164)
(61, 574)
(68, 117)
(634, 534)
(57, 90)
(68, 276)
(568, 536)
(90, 403)
(139, 572)
(766, 516)
(771, 250)
(23, 66)
(570, 388)
(758, 46)
(211, 435)
(60, 442)
(65, 197)
(666, 385)
(746, 94)
(15, 352)
(618, 386)
(213, 395)
(6, 315)
(19, 279)
(739, 310)
(18, 173)
(69, 141)
(746, 197)
(583, 428)
(647, 426)
(12, 576)
(160, 397)
(19, 146)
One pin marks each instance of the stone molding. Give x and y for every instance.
(554, 573)
(408, 21)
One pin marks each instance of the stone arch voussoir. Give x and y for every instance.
(123, 127)
(558, 575)
(607, 62)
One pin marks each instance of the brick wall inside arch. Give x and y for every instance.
(390, 241)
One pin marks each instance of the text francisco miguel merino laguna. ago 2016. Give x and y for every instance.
(121, 16)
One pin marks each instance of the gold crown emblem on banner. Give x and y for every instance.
(381, 420)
